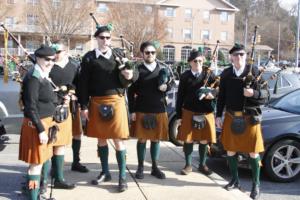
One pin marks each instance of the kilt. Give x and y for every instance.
(115, 128)
(30, 149)
(76, 124)
(160, 132)
(64, 135)
(188, 134)
(250, 141)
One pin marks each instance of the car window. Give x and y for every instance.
(284, 82)
(289, 103)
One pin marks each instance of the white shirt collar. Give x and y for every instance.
(238, 72)
(107, 55)
(194, 73)
(42, 73)
(151, 67)
(63, 62)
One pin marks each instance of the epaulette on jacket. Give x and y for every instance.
(89, 56)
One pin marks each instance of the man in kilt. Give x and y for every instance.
(147, 105)
(241, 95)
(101, 96)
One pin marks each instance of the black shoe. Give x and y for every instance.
(204, 170)
(43, 187)
(186, 170)
(122, 185)
(101, 178)
(139, 174)
(232, 185)
(79, 168)
(158, 174)
(63, 185)
(255, 192)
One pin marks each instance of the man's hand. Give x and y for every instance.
(85, 114)
(43, 137)
(209, 96)
(248, 92)
(219, 122)
(178, 122)
(163, 87)
(133, 117)
(127, 73)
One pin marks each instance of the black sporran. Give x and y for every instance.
(149, 121)
(198, 121)
(238, 125)
(52, 134)
(61, 113)
(106, 111)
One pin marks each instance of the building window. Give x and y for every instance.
(169, 53)
(31, 45)
(33, 2)
(188, 13)
(10, 1)
(9, 22)
(185, 52)
(148, 9)
(170, 12)
(170, 32)
(224, 36)
(206, 15)
(205, 35)
(56, 3)
(32, 19)
(102, 8)
(224, 17)
(187, 33)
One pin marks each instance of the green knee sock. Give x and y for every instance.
(255, 167)
(76, 148)
(58, 167)
(121, 163)
(45, 172)
(103, 154)
(188, 150)
(154, 151)
(233, 166)
(141, 151)
(33, 193)
(203, 154)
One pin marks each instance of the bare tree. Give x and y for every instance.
(3, 11)
(61, 19)
(138, 22)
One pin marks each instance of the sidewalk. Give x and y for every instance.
(176, 187)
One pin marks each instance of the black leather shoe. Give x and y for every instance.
(186, 170)
(232, 185)
(101, 178)
(139, 174)
(158, 174)
(63, 185)
(255, 192)
(79, 168)
(204, 170)
(122, 185)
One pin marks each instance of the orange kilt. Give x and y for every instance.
(64, 135)
(161, 132)
(117, 127)
(30, 149)
(250, 141)
(188, 134)
(76, 124)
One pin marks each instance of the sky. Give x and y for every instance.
(287, 4)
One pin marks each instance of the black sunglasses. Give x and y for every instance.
(103, 37)
(49, 59)
(148, 52)
(238, 54)
(197, 61)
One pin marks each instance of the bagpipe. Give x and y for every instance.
(165, 75)
(206, 87)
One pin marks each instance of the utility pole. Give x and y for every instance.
(278, 45)
(246, 29)
(297, 39)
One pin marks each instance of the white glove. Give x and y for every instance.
(163, 87)
(124, 60)
(43, 137)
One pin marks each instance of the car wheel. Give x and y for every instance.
(173, 132)
(282, 161)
